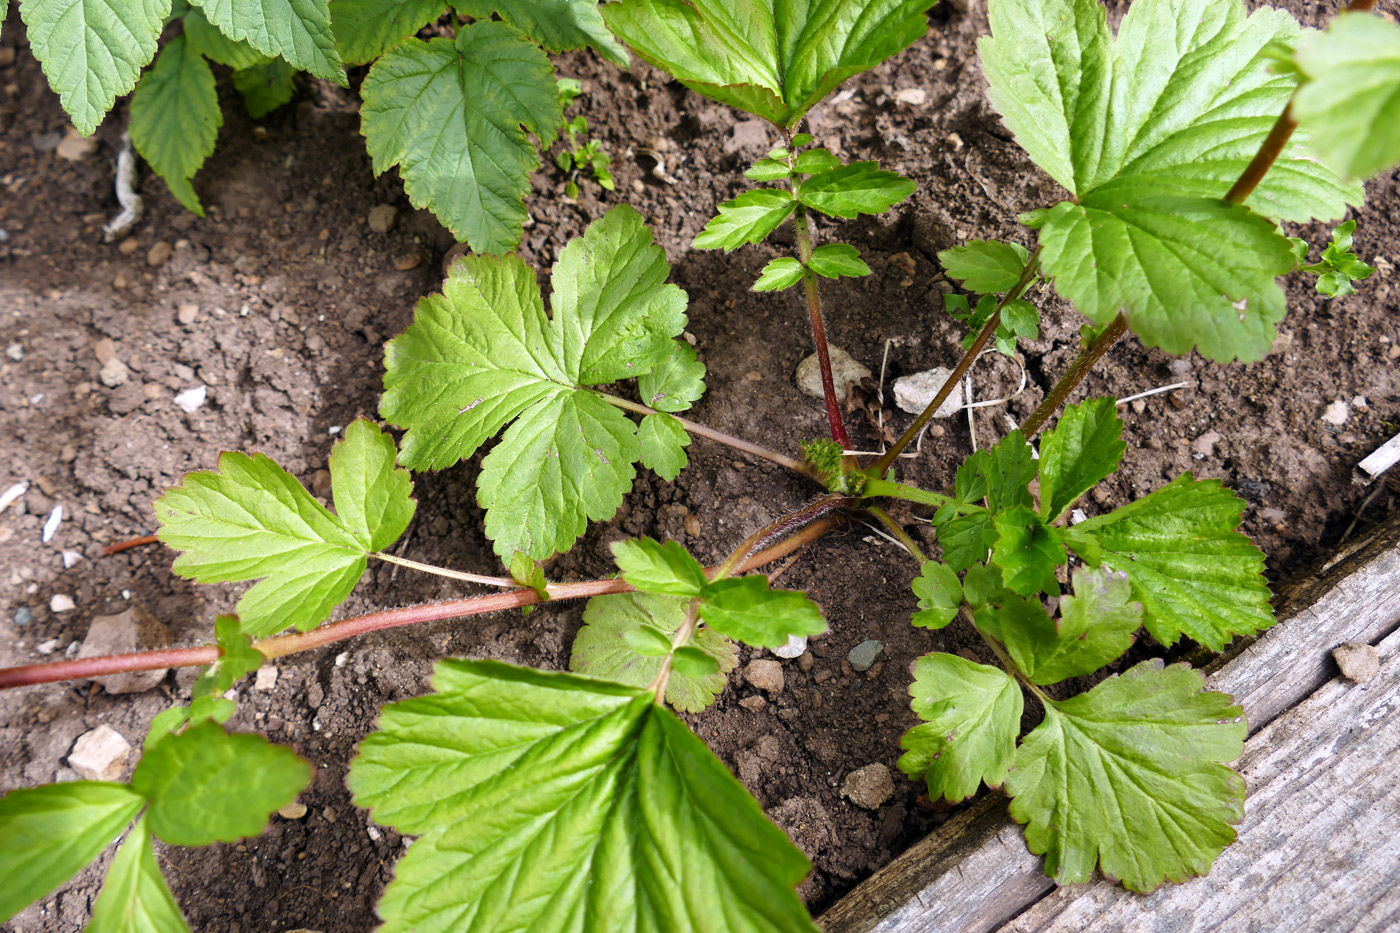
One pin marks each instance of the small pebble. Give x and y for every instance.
(754, 703)
(692, 526)
(70, 559)
(382, 217)
(15, 352)
(1358, 662)
(806, 661)
(765, 675)
(293, 811)
(796, 645)
(48, 647)
(100, 755)
(62, 602)
(114, 373)
(913, 393)
(863, 655)
(24, 615)
(1336, 414)
(1153, 443)
(328, 815)
(193, 399)
(159, 254)
(407, 261)
(1204, 446)
(128, 246)
(51, 525)
(914, 96)
(187, 314)
(75, 148)
(844, 372)
(266, 678)
(868, 787)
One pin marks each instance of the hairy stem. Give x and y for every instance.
(504, 582)
(814, 312)
(808, 513)
(896, 529)
(1080, 368)
(891, 490)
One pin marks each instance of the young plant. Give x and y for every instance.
(583, 154)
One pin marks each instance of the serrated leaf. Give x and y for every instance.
(1350, 102)
(982, 585)
(676, 382)
(965, 539)
(366, 29)
(775, 62)
(601, 648)
(851, 190)
(814, 161)
(373, 497)
(92, 51)
(749, 218)
(666, 569)
(768, 169)
(201, 709)
(1193, 572)
(746, 610)
(550, 800)
(987, 267)
(265, 87)
(662, 441)
(1027, 552)
(1130, 776)
(1084, 448)
(1002, 473)
(175, 118)
(834, 260)
(52, 831)
(237, 659)
(457, 133)
(783, 272)
(940, 595)
(971, 715)
(135, 897)
(205, 785)
(206, 39)
(558, 25)
(297, 30)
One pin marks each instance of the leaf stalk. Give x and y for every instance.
(1080, 368)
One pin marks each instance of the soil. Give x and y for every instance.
(296, 296)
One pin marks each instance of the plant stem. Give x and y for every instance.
(740, 556)
(729, 440)
(983, 336)
(692, 619)
(120, 546)
(814, 313)
(504, 582)
(896, 529)
(1083, 363)
(892, 490)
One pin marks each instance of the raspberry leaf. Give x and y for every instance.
(175, 118)
(135, 897)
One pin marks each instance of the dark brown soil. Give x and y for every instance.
(296, 296)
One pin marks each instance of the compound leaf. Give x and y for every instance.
(987, 267)
(602, 648)
(653, 567)
(175, 118)
(749, 218)
(1096, 626)
(214, 45)
(135, 897)
(1027, 552)
(205, 785)
(265, 86)
(555, 800)
(1193, 572)
(52, 831)
(746, 610)
(366, 29)
(676, 382)
(851, 190)
(92, 51)
(662, 441)
(971, 715)
(1350, 100)
(940, 595)
(297, 30)
(1083, 449)
(558, 25)
(1130, 776)
(453, 116)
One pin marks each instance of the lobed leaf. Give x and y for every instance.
(297, 30)
(662, 441)
(855, 189)
(1027, 551)
(746, 610)
(237, 659)
(676, 382)
(366, 29)
(666, 569)
(749, 218)
(783, 272)
(1084, 448)
(987, 267)
(175, 118)
(206, 39)
(135, 897)
(940, 595)
(558, 25)
(834, 260)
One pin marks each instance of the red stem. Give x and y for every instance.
(120, 546)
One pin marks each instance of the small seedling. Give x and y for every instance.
(583, 153)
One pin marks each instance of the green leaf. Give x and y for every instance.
(265, 87)
(458, 133)
(768, 170)
(662, 441)
(558, 25)
(253, 520)
(555, 801)
(237, 659)
(215, 46)
(603, 649)
(1004, 471)
(746, 610)
(205, 785)
(1130, 776)
(528, 572)
(783, 272)
(940, 595)
(851, 190)
(965, 539)
(1084, 448)
(1350, 100)
(676, 382)
(135, 897)
(834, 260)
(971, 715)
(52, 831)
(1027, 552)
(987, 267)
(815, 161)
(297, 30)
(175, 118)
(1192, 571)
(982, 585)
(92, 50)
(775, 61)
(692, 662)
(749, 218)
(653, 567)
(366, 29)
(201, 709)
(1339, 266)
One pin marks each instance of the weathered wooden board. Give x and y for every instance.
(974, 875)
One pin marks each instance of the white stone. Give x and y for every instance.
(266, 678)
(62, 602)
(51, 526)
(70, 559)
(114, 373)
(192, 399)
(1336, 413)
(796, 644)
(911, 95)
(100, 755)
(913, 393)
(844, 372)
(48, 647)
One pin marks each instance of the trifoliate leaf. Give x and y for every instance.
(749, 218)
(775, 62)
(834, 260)
(971, 715)
(1350, 100)
(815, 161)
(783, 272)
(1085, 446)
(940, 595)
(52, 831)
(851, 190)
(768, 170)
(1027, 552)
(1194, 574)
(366, 29)
(746, 610)
(237, 659)
(265, 87)
(602, 647)
(175, 118)
(666, 569)
(676, 382)
(205, 785)
(457, 133)
(206, 39)
(296, 30)
(551, 800)
(135, 897)
(92, 50)
(1130, 776)
(558, 25)
(987, 267)
(252, 520)
(662, 441)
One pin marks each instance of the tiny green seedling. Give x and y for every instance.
(583, 154)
